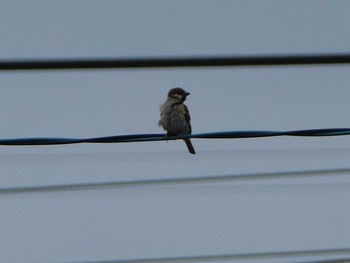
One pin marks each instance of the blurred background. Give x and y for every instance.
(96, 203)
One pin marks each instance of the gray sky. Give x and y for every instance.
(230, 217)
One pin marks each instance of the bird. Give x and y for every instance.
(175, 117)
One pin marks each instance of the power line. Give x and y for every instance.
(169, 181)
(334, 260)
(230, 257)
(161, 62)
(162, 137)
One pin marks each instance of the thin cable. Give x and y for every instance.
(230, 257)
(170, 181)
(161, 62)
(162, 137)
(334, 260)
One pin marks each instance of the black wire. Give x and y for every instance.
(169, 181)
(162, 137)
(334, 260)
(161, 62)
(229, 257)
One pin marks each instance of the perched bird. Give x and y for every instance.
(174, 116)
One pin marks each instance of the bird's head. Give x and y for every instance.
(178, 94)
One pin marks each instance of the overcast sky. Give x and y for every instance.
(185, 219)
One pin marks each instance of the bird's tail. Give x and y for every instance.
(190, 146)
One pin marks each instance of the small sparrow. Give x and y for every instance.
(174, 116)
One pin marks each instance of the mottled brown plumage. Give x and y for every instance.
(175, 117)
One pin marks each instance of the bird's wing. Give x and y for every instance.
(187, 118)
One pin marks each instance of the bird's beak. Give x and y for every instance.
(187, 93)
